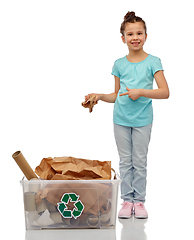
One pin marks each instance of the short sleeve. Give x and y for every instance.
(115, 70)
(157, 65)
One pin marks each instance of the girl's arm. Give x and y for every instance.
(110, 98)
(161, 93)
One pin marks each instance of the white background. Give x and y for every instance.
(53, 53)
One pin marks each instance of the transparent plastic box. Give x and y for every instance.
(70, 203)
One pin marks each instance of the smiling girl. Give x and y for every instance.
(133, 113)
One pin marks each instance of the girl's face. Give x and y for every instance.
(134, 36)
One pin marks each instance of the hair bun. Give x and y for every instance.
(129, 15)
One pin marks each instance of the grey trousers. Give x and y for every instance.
(132, 144)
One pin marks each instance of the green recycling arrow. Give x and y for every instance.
(62, 208)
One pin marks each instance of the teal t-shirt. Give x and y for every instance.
(128, 112)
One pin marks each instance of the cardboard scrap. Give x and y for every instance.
(90, 103)
(70, 168)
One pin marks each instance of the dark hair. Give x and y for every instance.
(131, 18)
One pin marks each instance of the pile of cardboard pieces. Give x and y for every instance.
(70, 168)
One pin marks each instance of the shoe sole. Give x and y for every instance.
(141, 217)
(124, 217)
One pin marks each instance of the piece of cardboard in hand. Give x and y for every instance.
(90, 103)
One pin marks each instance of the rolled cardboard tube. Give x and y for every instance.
(71, 221)
(42, 207)
(104, 218)
(29, 201)
(51, 207)
(92, 221)
(33, 216)
(74, 222)
(24, 166)
(56, 217)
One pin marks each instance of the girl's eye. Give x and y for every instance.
(130, 34)
(139, 33)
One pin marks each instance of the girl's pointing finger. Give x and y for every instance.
(123, 94)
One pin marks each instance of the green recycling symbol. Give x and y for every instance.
(63, 209)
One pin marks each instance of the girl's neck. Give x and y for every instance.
(136, 56)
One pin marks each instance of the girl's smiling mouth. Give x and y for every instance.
(135, 43)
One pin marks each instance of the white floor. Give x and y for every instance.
(126, 229)
(131, 229)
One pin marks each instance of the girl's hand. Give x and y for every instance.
(96, 98)
(134, 94)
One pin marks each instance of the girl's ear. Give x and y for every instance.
(123, 39)
(146, 37)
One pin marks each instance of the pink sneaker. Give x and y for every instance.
(140, 211)
(126, 210)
